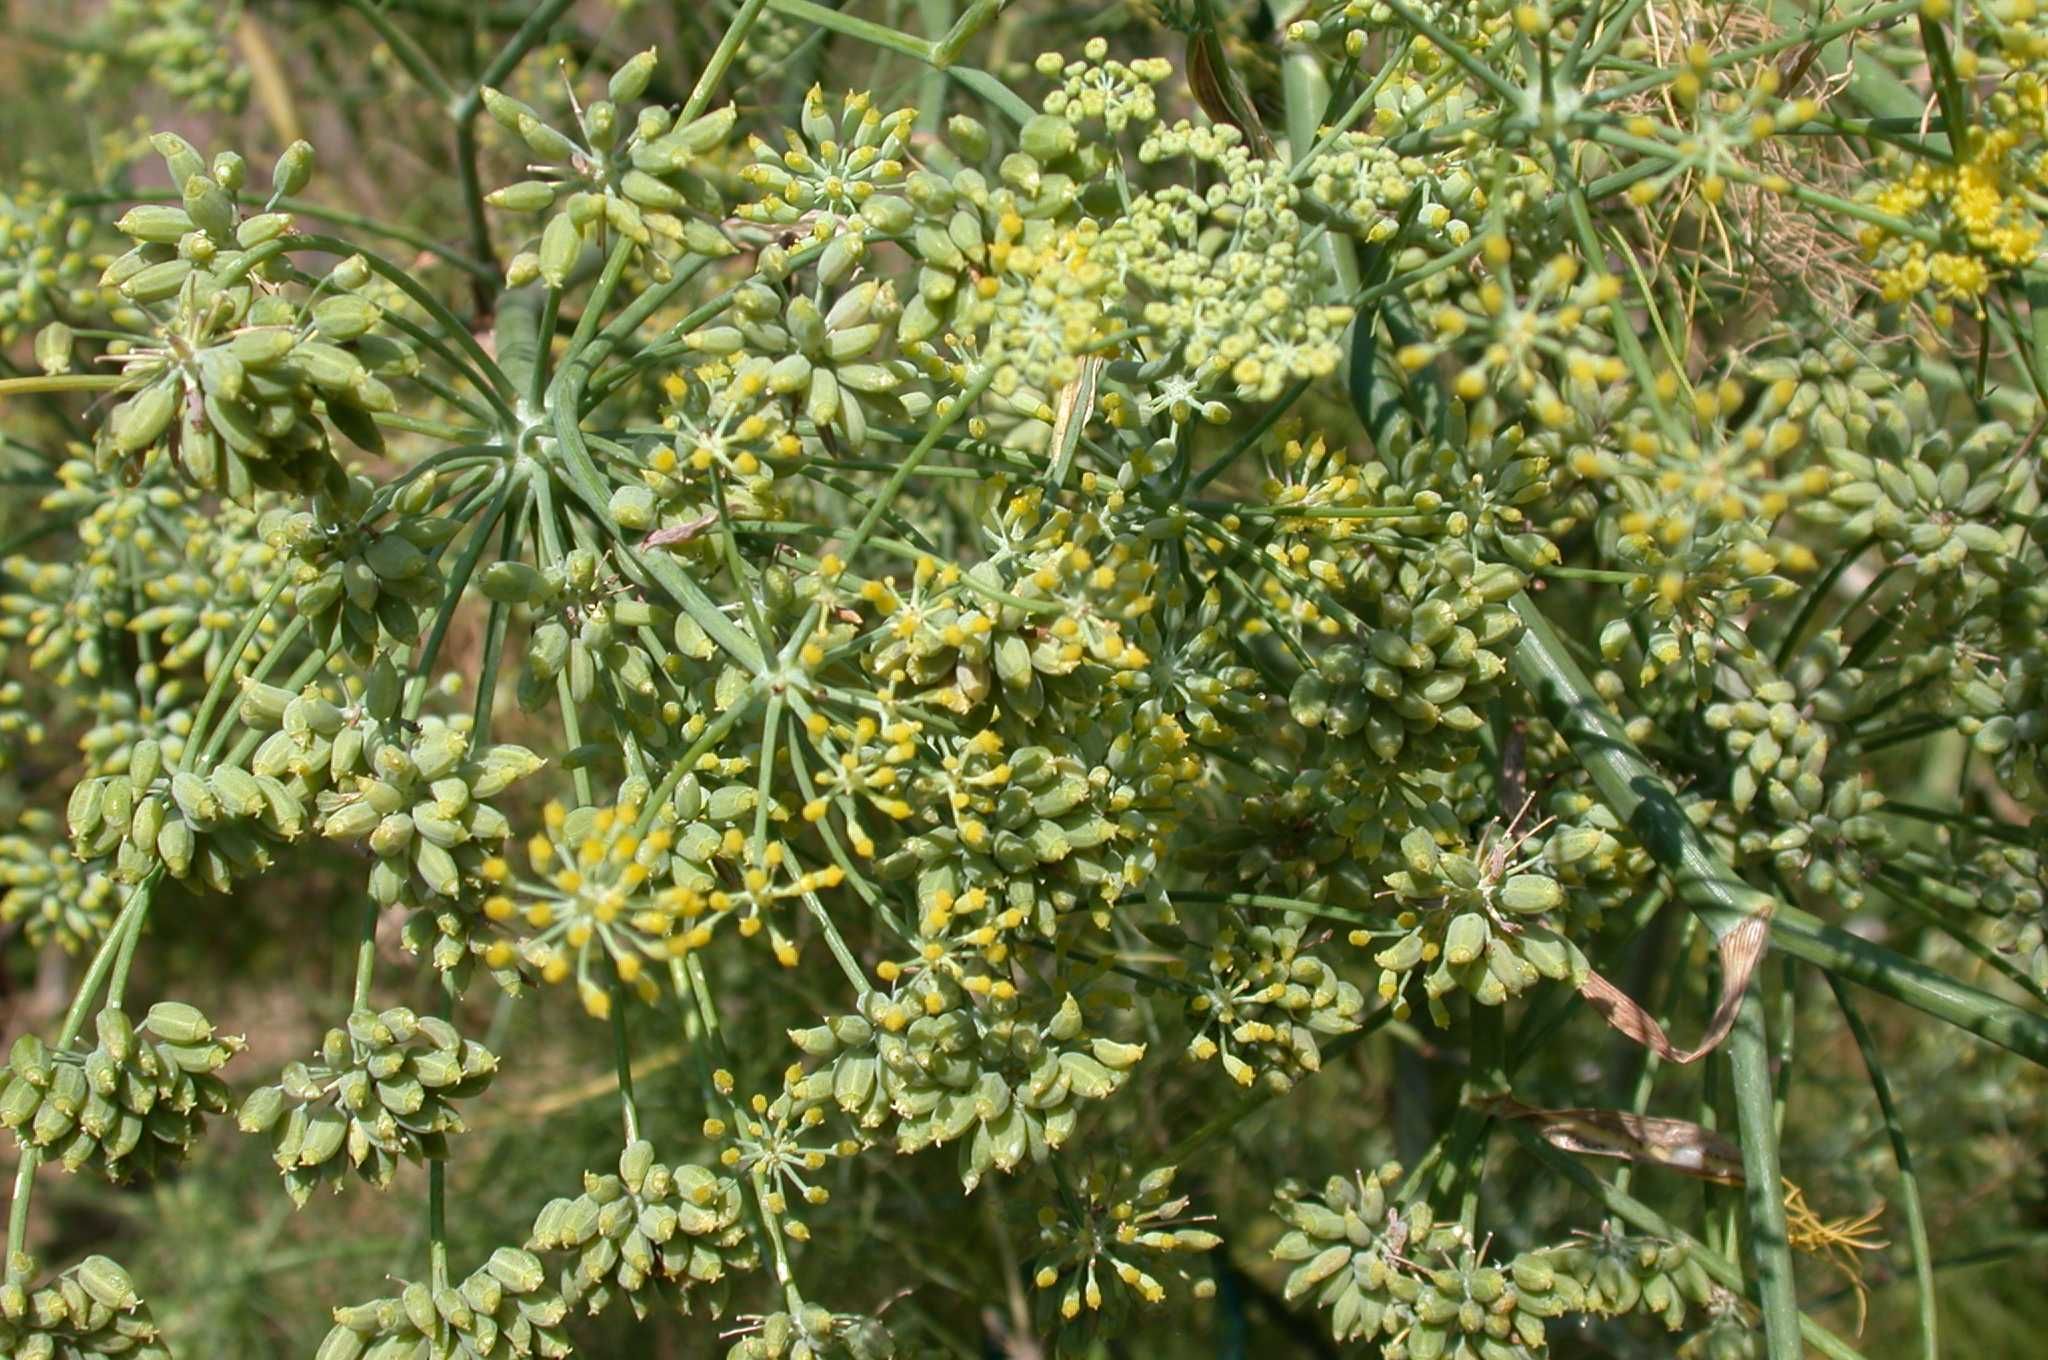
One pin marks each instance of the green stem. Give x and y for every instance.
(487, 377)
(96, 972)
(60, 382)
(688, 978)
(457, 583)
(103, 962)
(1817, 35)
(529, 36)
(470, 184)
(1816, 596)
(366, 958)
(1749, 1064)
(861, 30)
(1643, 798)
(1455, 50)
(622, 1059)
(887, 495)
(1253, 1101)
(407, 50)
(225, 676)
(1909, 1182)
(720, 60)
(1909, 890)
(437, 1224)
(17, 1208)
(299, 207)
(117, 979)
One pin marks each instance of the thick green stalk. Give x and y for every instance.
(1909, 1182)
(437, 1224)
(1749, 1065)
(852, 26)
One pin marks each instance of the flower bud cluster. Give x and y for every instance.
(412, 792)
(814, 1333)
(1486, 921)
(182, 45)
(1261, 1003)
(1225, 278)
(220, 825)
(360, 585)
(53, 895)
(47, 261)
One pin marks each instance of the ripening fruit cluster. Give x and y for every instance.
(128, 1108)
(89, 1312)
(1384, 1268)
(651, 1234)
(238, 383)
(505, 1307)
(942, 1058)
(381, 1091)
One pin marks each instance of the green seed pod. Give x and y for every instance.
(194, 799)
(238, 791)
(53, 347)
(19, 1103)
(629, 82)
(106, 1283)
(1531, 894)
(437, 868)
(341, 319)
(517, 1270)
(1047, 137)
(116, 1034)
(141, 420)
(701, 134)
(157, 223)
(175, 845)
(211, 210)
(157, 282)
(634, 508)
(254, 231)
(261, 1109)
(293, 171)
(1466, 938)
(560, 245)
